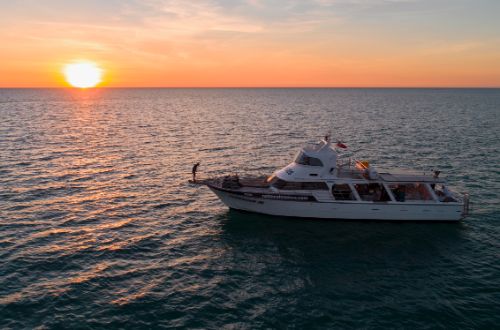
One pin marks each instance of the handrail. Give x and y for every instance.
(466, 209)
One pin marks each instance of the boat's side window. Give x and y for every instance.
(290, 185)
(443, 194)
(315, 162)
(314, 186)
(342, 192)
(423, 192)
(398, 191)
(304, 159)
(410, 192)
(278, 183)
(372, 192)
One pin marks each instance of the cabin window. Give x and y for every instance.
(342, 192)
(304, 159)
(287, 185)
(410, 191)
(290, 185)
(314, 186)
(374, 192)
(443, 194)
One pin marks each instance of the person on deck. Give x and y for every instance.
(195, 168)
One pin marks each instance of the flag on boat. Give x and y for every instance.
(362, 164)
(341, 145)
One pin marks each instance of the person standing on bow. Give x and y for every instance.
(195, 168)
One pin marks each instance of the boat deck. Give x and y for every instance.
(260, 183)
(389, 177)
(256, 182)
(386, 176)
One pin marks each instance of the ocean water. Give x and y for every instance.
(100, 229)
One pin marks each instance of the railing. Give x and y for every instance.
(466, 209)
(344, 162)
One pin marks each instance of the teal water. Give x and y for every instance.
(99, 228)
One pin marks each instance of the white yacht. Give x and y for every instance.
(317, 185)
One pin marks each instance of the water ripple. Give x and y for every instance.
(99, 229)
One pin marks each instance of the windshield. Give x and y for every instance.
(304, 159)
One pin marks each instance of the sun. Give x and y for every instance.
(83, 74)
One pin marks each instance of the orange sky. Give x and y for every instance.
(208, 43)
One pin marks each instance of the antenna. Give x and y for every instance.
(328, 136)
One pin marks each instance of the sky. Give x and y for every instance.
(253, 43)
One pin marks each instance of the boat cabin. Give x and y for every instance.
(315, 171)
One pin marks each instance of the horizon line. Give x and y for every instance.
(256, 87)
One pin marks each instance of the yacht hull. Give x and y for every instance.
(350, 210)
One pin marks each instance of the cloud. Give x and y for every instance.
(361, 2)
(453, 48)
(189, 18)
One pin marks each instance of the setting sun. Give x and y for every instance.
(83, 74)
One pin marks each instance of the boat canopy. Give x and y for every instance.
(314, 161)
